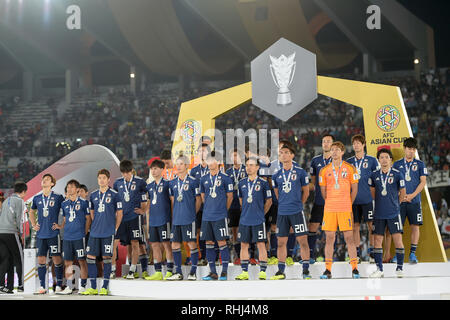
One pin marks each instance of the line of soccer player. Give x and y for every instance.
(261, 201)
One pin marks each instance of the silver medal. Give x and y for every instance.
(250, 199)
(45, 212)
(72, 216)
(336, 186)
(101, 207)
(180, 198)
(384, 192)
(408, 177)
(213, 194)
(154, 199)
(126, 196)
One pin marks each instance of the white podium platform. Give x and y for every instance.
(423, 280)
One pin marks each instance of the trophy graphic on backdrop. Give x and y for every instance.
(282, 70)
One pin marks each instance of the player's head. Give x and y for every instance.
(252, 166)
(157, 168)
(285, 143)
(337, 150)
(20, 188)
(358, 142)
(103, 176)
(213, 160)
(205, 139)
(410, 147)
(48, 181)
(203, 151)
(286, 154)
(235, 156)
(83, 191)
(166, 157)
(72, 187)
(327, 141)
(385, 157)
(182, 164)
(126, 168)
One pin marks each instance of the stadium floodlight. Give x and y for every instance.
(132, 75)
(416, 61)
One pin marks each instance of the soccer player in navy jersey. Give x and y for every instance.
(387, 186)
(216, 189)
(291, 187)
(132, 191)
(317, 163)
(159, 214)
(256, 199)
(76, 223)
(106, 215)
(47, 205)
(237, 172)
(83, 192)
(363, 204)
(186, 201)
(415, 173)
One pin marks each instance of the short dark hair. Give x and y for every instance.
(384, 150)
(20, 187)
(253, 159)
(359, 137)
(126, 166)
(74, 182)
(105, 172)
(410, 143)
(291, 149)
(286, 143)
(51, 177)
(83, 186)
(328, 135)
(166, 155)
(157, 163)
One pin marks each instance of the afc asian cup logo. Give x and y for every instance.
(387, 118)
(190, 130)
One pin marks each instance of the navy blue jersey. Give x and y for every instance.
(105, 206)
(388, 206)
(159, 197)
(137, 193)
(317, 163)
(275, 166)
(253, 212)
(416, 169)
(198, 172)
(365, 167)
(215, 209)
(184, 206)
(236, 175)
(290, 201)
(48, 212)
(75, 213)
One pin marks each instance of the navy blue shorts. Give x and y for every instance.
(296, 221)
(214, 230)
(363, 212)
(252, 234)
(74, 249)
(51, 246)
(317, 214)
(182, 233)
(130, 230)
(271, 216)
(394, 226)
(159, 233)
(100, 246)
(412, 211)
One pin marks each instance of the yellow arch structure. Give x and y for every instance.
(197, 117)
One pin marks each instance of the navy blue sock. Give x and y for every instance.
(273, 244)
(305, 265)
(106, 272)
(42, 270)
(177, 259)
(59, 274)
(263, 265)
(413, 248)
(312, 239)
(290, 244)
(194, 260)
(378, 256)
(281, 266)
(400, 254)
(202, 246)
(225, 254)
(83, 282)
(92, 272)
(169, 266)
(211, 257)
(143, 258)
(244, 265)
(158, 267)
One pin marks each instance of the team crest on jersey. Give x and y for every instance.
(186, 187)
(77, 207)
(160, 189)
(52, 203)
(344, 173)
(390, 180)
(133, 187)
(108, 200)
(218, 183)
(257, 187)
(414, 167)
(242, 175)
(294, 177)
(365, 165)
